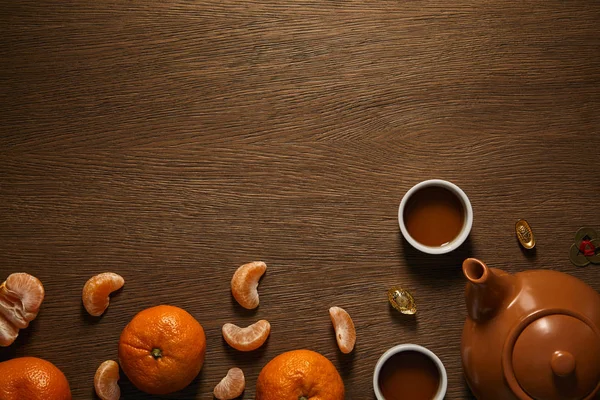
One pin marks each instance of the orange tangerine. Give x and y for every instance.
(299, 375)
(231, 386)
(345, 333)
(21, 296)
(31, 378)
(244, 283)
(105, 381)
(249, 338)
(162, 349)
(97, 289)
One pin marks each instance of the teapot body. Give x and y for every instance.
(501, 312)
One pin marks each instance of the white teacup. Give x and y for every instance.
(467, 224)
(443, 386)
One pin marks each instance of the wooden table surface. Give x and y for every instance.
(172, 141)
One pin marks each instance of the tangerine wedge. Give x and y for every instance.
(8, 332)
(249, 338)
(21, 296)
(105, 381)
(97, 289)
(345, 333)
(231, 386)
(244, 283)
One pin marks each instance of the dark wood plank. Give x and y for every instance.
(171, 142)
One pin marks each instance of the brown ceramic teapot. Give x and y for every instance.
(532, 335)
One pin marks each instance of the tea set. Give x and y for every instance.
(531, 335)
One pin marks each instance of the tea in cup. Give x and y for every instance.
(435, 216)
(409, 371)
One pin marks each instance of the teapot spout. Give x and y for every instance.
(487, 289)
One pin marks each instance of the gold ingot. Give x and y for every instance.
(525, 234)
(402, 300)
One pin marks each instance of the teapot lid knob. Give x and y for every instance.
(562, 363)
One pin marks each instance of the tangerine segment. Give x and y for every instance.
(249, 338)
(30, 378)
(105, 381)
(345, 333)
(97, 289)
(231, 386)
(299, 374)
(244, 283)
(8, 332)
(21, 296)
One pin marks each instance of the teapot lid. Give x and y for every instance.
(553, 354)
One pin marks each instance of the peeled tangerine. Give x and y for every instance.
(97, 289)
(105, 381)
(231, 386)
(345, 333)
(244, 283)
(21, 296)
(249, 338)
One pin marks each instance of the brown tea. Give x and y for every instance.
(434, 216)
(409, 375)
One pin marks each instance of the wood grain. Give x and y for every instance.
(171, 142)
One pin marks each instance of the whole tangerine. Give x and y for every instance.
(299, 375)
(31, 378)
(162, 349)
